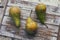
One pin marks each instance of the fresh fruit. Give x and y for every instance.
(14, 13)
(41, 13)
(31, 26)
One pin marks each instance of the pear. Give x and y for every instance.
(31, 26)
(14, 13)
(40, 10)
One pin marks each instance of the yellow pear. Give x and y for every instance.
(31, 26)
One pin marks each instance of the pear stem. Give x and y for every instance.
(30, 13)
(46, 25)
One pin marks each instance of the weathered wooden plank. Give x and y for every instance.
(42, 34)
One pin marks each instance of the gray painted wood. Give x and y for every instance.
(8, 29)
(4, 38)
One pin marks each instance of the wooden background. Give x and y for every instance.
(52, 20)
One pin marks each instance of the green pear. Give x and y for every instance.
(40, 10)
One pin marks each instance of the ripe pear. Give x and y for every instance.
(14, 13)
(31, 26)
